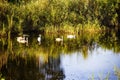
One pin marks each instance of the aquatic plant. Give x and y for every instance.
(117, 71)
(100, 77)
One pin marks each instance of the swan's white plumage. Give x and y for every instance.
(71, 36)
(59, 39)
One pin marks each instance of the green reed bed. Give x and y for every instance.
(74, 29)
(55, 16)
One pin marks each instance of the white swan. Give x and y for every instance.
(59, 39)
(71, 36)
(39, 39)
(22, 39)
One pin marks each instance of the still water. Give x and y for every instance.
(85, 57)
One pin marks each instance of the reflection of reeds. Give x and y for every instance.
(3, 59)
(49, 46)
(3, 30)
(84, 42)
(110, 40)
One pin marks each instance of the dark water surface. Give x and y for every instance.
(85, 57)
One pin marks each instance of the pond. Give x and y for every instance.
(85, 56)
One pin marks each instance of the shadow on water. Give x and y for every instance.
(50, 60)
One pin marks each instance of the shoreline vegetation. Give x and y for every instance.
(58, 16)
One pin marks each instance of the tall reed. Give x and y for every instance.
(36, 14)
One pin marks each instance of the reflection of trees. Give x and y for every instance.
(83, 43)
(3, 59)
(18, 68)
(85, 51)
(110, 40)
(23, 62)
(53, 70)
(3, 44)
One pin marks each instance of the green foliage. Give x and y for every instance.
(36, 14)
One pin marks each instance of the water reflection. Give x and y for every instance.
(79, 58)
(100, 63)
(32, 69)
